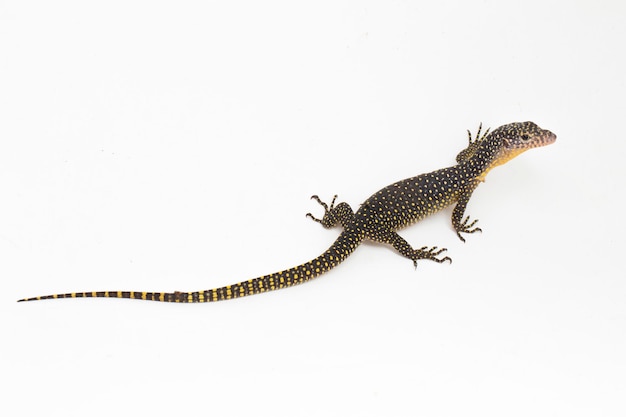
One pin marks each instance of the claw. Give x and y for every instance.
(467, 228)
(431, 254)
(478, 135)
(321, 203)
(313, 217)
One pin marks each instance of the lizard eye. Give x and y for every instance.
(525, 137)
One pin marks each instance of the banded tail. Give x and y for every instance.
(345, 244)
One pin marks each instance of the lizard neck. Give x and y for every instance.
(491, 153)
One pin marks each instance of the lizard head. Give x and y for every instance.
(515, 138)
(522, 136)
(504, 144)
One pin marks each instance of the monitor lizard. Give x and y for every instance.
(380, 217)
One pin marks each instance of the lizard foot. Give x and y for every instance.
(430, 253)
(333, 215)
(327, 209)
(464, 227)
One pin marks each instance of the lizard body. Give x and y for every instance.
(379, 217)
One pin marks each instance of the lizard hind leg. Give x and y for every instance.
(341, 214)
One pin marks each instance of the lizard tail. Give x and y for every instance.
(345, 244)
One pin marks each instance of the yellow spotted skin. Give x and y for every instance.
(379, 217)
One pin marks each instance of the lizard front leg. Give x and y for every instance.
(463, 225)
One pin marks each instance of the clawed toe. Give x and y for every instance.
(431, 254)
(464, 227)
(309, 215)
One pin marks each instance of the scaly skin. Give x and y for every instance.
(380, 216)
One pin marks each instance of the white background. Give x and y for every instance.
(169, 145)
